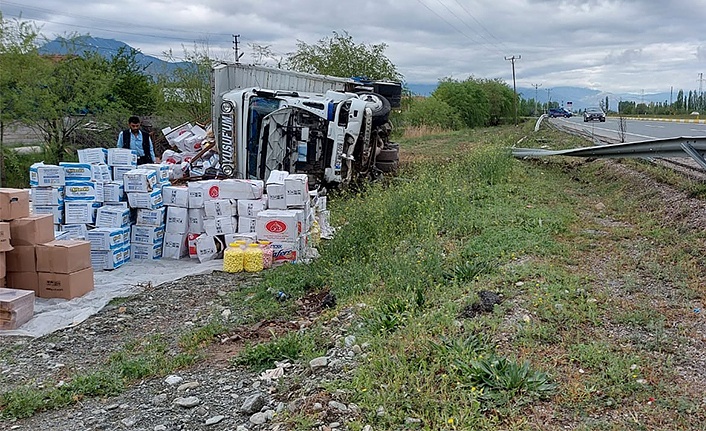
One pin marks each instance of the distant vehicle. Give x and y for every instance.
(593, 113)
(559, 112)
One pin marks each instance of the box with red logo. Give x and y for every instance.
(278, 225)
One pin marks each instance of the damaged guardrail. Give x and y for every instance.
(694, 147)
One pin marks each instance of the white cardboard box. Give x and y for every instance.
(78, 171)
(105, 238)
(250, 207)
(145, 251)
(93, 155)
(177, 220)
(122, 157)
(296, 187)
(150, 235)
(278, 225)
(196, 217)
(42, 175)
(80, 212)
(153, 217)
(220, 225)
(220, 208)
(247, 224)
(139, 180)
(112, 216)
(175, 246)
(175, 196)
(150, 201)
(48, 195)
(113, 191)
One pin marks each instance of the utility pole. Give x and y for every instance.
(536, 86)
(549, 99)
(514, 86)
(235, 48)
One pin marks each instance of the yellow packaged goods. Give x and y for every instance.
(233, 258)
(252, 258)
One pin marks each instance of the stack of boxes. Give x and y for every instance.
(34, 260)
(288, 218)
(144, 192)
(176, 200)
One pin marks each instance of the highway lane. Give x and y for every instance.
(635, 130)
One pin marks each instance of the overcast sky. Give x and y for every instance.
(614, 46)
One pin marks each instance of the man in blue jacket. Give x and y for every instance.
(139, 140)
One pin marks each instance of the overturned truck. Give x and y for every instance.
(336, 130)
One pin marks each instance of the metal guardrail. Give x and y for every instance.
(685, 146)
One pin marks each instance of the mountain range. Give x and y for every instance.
(579, 97)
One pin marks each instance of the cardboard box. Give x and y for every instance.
(113, 191)
(119, 171)
(57, 212)
(78, 171)
(106, 260)
(220, 208)
(105, 238)
(107, 216)
(77, 212)
(3, 267)
(250, 207)
(296, 187)
(21, 259)
(146, 217)
(145, 251)
(32, 230)
(285, 252)
(48, 195)
(63, 256)
(150, 201)
(196, 216)
(177, 220)
(16, 307)
(175, 246)
(66, 286)
(208, 247)
(83, 191)
(5, 244)
(247, 224)
(28, 280)
(220, 225)
(139, 180)
(75, 231)
(92, 155)
(234, 188)
(42, 175)
(276, 196)
(162, 171)
(278, 225)
(175, 196)
(14, 203)
(123, 157)
(149, 235)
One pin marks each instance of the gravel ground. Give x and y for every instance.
(216, 395)
(213, 395)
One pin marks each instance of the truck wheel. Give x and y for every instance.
(388, 155)
(379, 105)
(387, 167)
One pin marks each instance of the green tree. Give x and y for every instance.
(66, 93)
(186, 92)
(339, 55)
(431, 112)
(132, 85)
(468, 99)
(500, 100)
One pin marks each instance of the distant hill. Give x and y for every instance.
(108, 48)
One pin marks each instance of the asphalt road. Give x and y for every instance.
(635, 129)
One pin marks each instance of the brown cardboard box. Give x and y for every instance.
(5, 237)
(23, 280)
(65, 286)
(21, 259)
(3, 267)
(16, 307)
(63, 256)
(14, 203)
(32, 230)
(2, 282)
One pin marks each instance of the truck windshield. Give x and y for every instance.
(259, 108)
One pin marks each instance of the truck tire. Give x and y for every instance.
(379, 105)
(388, 155)
(387, 167)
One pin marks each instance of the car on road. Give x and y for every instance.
(559, 112)
(593, 113)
